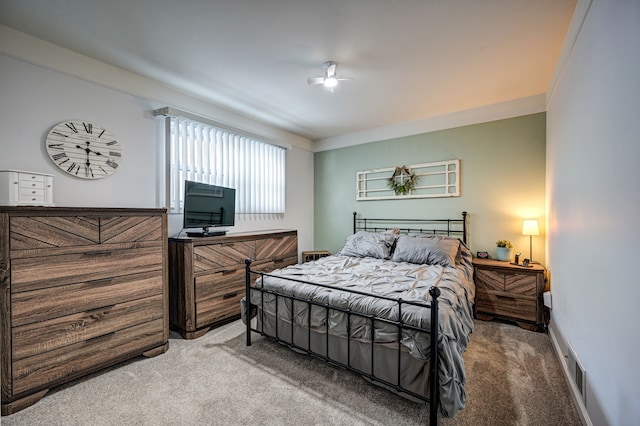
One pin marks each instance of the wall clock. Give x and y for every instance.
(83, 149)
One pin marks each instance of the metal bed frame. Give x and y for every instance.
(433, 226)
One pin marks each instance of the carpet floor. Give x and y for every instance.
(513, 378)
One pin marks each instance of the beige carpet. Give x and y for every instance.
(514, 378)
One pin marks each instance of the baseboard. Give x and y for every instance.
(575, 393)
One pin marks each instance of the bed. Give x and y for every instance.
(378, 307)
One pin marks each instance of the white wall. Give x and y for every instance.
(39, 90)
(35, 99)
(593, 148)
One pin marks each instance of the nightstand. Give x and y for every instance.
(509, 292)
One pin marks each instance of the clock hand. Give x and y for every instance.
(87, 150)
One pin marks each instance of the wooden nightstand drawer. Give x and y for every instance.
(506, 306)
(520, 284)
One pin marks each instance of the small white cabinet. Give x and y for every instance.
(19, 188)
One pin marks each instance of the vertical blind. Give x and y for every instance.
(204, 153)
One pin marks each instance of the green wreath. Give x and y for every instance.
(405, 184)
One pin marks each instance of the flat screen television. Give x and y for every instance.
(208, 206)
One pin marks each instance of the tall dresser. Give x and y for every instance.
(207, 275)
(80, 289)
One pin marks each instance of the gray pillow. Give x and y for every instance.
(369, 244)
(431, 250)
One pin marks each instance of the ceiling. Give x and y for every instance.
(410, 59)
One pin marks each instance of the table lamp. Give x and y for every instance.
(530, 228)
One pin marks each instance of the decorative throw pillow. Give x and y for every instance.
(369, 244)
(429, 250)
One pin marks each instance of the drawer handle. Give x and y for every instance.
(100, 253)
(100, 281)
(228, 272)
(102, 309)
(101, 336)
(505, 297)
(229, 295)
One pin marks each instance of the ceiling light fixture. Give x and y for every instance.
(330, 79)
(330, 82)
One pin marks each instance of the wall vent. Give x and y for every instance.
(577, 373)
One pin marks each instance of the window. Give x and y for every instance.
(205, 153)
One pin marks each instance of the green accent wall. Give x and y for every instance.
(502, 182)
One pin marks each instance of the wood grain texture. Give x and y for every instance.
(87, 288)
(59, 365)
(6, 388)
(224, 255)
(39, 232)
(277, 247)
(509, 292)
(39, 305)
(36, 338)
(95, 264)
(207, 275)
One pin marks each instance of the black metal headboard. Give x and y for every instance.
(450, 227)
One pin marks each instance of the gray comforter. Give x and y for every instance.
(408, 281)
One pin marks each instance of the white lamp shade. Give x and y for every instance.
(530, 227)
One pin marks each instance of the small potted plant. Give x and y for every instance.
(505, 250)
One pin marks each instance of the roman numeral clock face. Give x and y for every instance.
(83, 149)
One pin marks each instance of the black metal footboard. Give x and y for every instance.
(251, 310)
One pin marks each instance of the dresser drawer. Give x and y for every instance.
(124, 229)
(99, 263)
(28, 178)
(60, 365)
(489, 279)
(218, 296)
(32, 196)
(38, 337)
(521, 284)
(216, 256)
(272, 265)
(26, 187)
(52, 232)
(54, 302)
(220, 283)
(277, 247)
(507, 305)
(218, 308)
(71, 231)
(506, 281)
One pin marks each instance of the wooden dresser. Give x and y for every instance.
(80, 289)
(509, 292)
(207, 275)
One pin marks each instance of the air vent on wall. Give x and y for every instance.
(577, 373)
